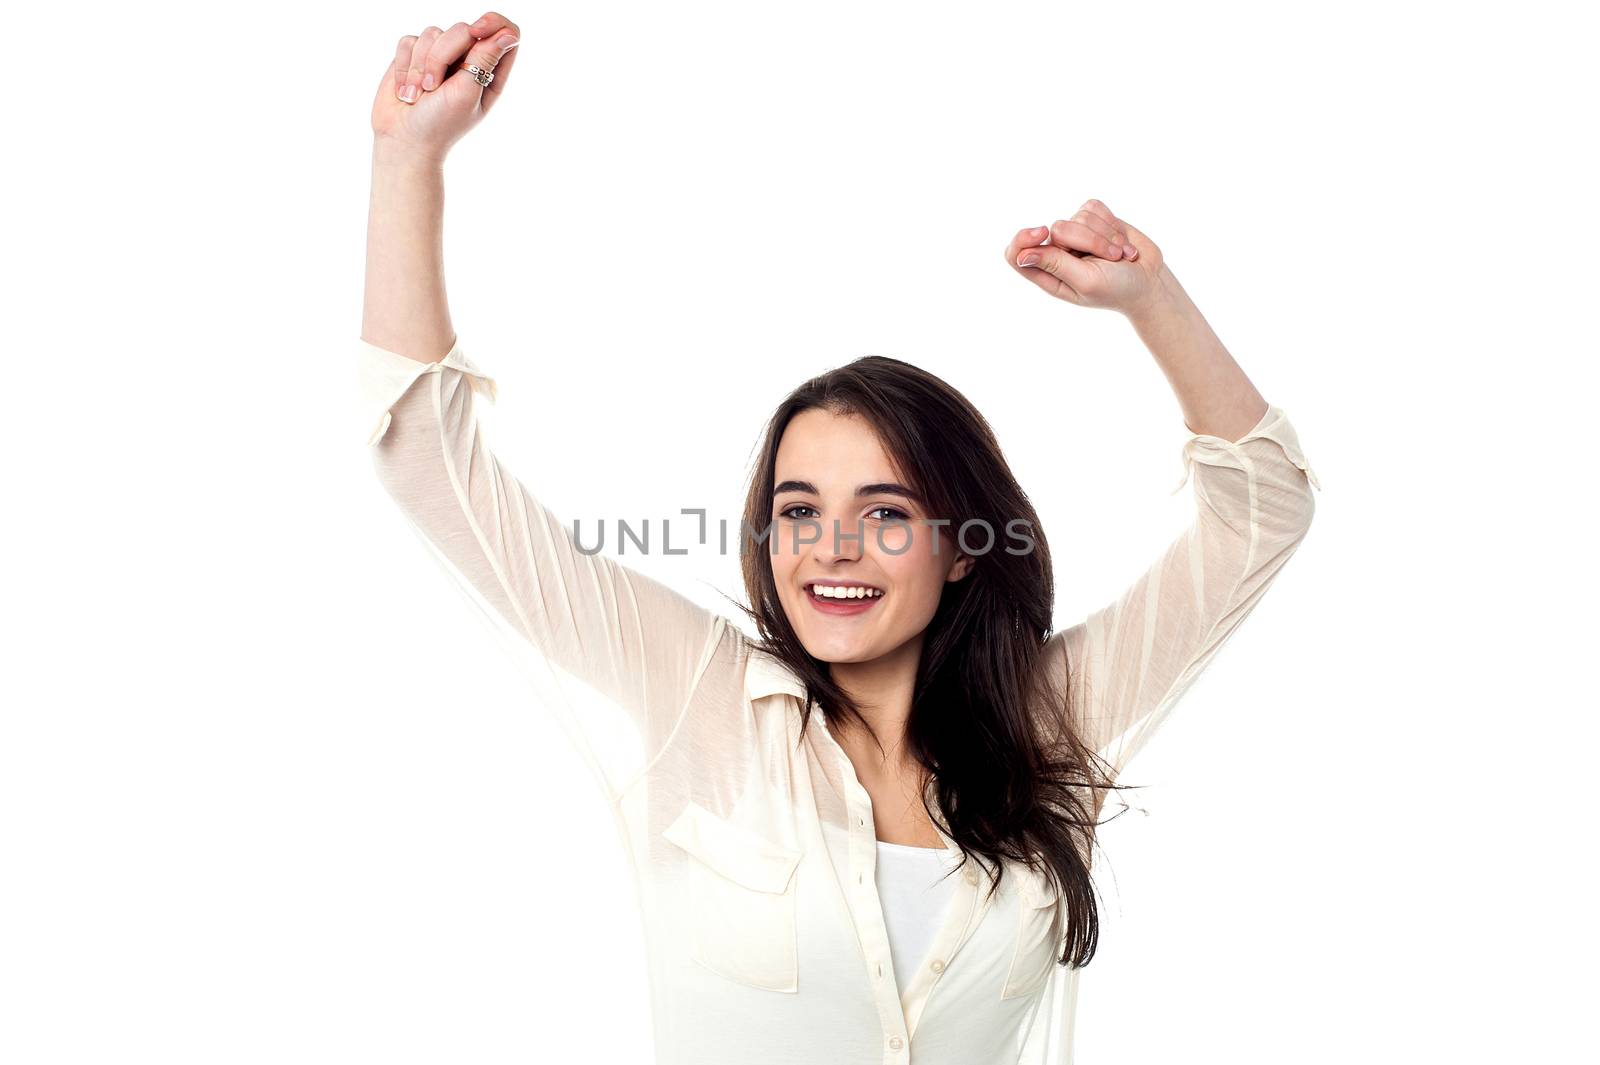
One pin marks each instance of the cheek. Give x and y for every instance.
(789, 545)
(783, 569)
(917, 573)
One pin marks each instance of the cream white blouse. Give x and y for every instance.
(755, 855)
(915, 886)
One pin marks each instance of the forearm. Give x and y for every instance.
(1216, 397)
(404, 307)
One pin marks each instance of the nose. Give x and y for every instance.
(839, 539)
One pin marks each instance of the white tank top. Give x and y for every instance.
(914, 898)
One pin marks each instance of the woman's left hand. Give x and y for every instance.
(1093, 259)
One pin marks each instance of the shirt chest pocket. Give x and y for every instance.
(740, 899)
(1039, 928)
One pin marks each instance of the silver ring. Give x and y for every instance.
(481, 76)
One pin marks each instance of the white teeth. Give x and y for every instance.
(827, 591)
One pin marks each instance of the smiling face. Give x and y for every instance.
(832, 468)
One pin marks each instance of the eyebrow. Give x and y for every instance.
(877, 488)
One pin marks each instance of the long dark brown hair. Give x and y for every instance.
(1011, 775)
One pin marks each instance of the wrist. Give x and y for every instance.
(1164, 299)
(392, 155)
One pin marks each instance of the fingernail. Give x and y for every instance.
(1130, 251)
(507, 42)
(409, 94)
(480, 24)
(1036, 231)
(427, 81)
(1027, 260)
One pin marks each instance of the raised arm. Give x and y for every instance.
(426, 101)
(636, 644)
(1129, 662)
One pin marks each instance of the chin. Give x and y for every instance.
(843, 658)
(839, 649)
(829, 647)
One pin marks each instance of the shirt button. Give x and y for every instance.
(895, 1043)
(971, 877)
(937, 966)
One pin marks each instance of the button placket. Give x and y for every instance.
(867, 907)
(871, 912)
(863, 902)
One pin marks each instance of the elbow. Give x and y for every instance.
(1303, 522)
(407, 462)
(1294, 516)
(407, 451)
(413, 479)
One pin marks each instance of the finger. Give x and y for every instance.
(1115, 231)
(1135, 236)
(507, 47)
(496, 26)
(1059, 273)
(491, 23)
(1025, 239)
(1079, 237)
(402, 60)
(1112, 231)
(1096, 209)
(411, 85)
(494, 56)
(448, 47)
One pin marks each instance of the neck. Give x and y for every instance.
(882, 690)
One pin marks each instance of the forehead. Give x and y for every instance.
(821, 446)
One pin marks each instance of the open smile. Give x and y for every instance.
(849, 597)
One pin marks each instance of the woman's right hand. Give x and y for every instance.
(445, 101)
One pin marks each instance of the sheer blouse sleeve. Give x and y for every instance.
(1128, 663)
(636, 645)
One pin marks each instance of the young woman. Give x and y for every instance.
(868, 829)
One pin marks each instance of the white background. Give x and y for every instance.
(269, 794)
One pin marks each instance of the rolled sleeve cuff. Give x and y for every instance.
(1274, 425)
(383, 376)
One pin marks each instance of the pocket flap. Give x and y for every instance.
(743, 856)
